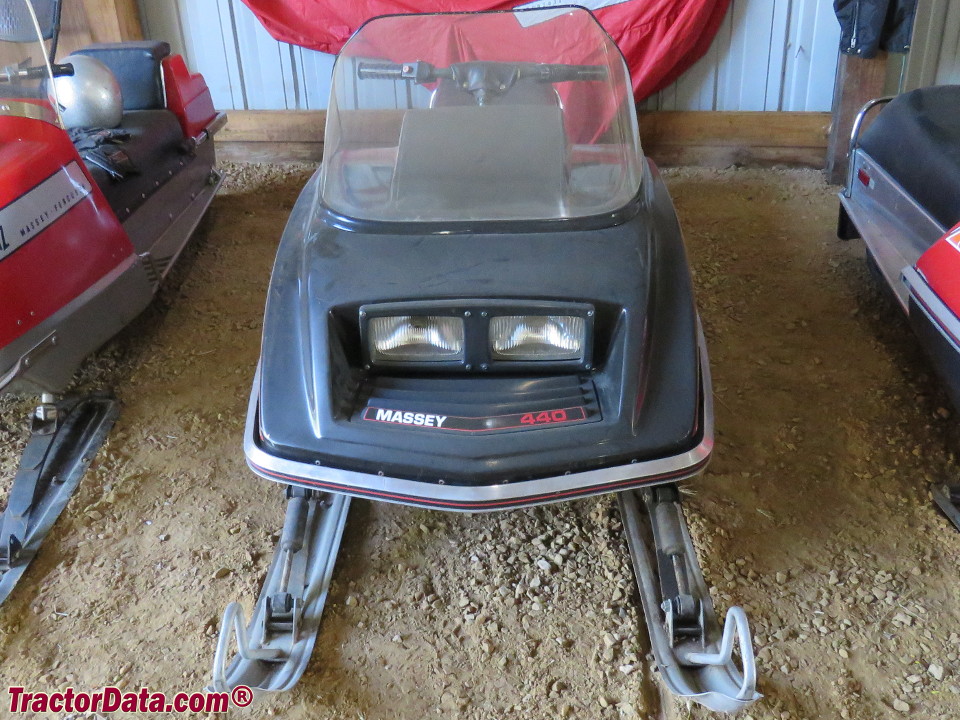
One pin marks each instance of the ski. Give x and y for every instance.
(65, 436)
(694, 658)
(274, 648)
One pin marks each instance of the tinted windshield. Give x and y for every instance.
(25, 86)
(480, 116)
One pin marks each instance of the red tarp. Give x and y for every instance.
(659, 38)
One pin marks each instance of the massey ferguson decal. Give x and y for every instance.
(516, 421)
(399, 417)
(37, 209)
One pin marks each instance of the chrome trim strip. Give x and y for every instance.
(212, 128)
(31, 111)
(163, 82)
(25, 360)
(216, 125)
(895, 227)
(855, 136)
(936, 310)
(486, 497)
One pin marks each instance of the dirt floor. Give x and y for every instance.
(814, 514)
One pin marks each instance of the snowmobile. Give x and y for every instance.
(903, 198)
(481, 301)
(89, 226)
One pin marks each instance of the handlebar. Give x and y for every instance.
(423, 72)
(39, 72)
(419, 72)
(551, 73)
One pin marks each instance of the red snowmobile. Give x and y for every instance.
(91, 220)
(903, 198)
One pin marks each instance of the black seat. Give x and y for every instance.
(137, 67)
(916, 138)
(155, 149)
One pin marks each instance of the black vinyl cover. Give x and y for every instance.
(136, 65)
(916, 138)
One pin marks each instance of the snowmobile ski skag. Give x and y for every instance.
(903, 198)
(482, 301)
(91, 220)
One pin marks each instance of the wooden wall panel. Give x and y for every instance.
(88, 21)
(716, 139)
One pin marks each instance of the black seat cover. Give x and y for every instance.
(137, 67)
(156, 150)
(916, 138)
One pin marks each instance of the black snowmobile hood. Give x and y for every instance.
(643, 391)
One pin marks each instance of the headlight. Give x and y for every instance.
(537, 337)
(416, 338)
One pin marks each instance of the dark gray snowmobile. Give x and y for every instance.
(480, 302)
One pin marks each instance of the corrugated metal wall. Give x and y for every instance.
(768, 55)
(934, 58)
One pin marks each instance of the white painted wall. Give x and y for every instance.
(768, 55)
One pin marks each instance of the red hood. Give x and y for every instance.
(80, 243)
(940, 267)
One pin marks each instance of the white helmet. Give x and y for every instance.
(91, 96)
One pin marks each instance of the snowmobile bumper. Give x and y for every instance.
(487, 497)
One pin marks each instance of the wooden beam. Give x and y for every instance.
(113, 20)
(88, 21)
(714, 139)
(721, 139)
(271, 126)
(858, 80)
(268, 152)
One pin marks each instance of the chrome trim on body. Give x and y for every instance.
(895, 227)
(855, 136)
(31, 111)
(484, 497)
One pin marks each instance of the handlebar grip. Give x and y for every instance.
(379, 72)
(592, 72)
(61, 69)
(553, 73)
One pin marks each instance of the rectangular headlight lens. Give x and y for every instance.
(537, 337)
(416, 338)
